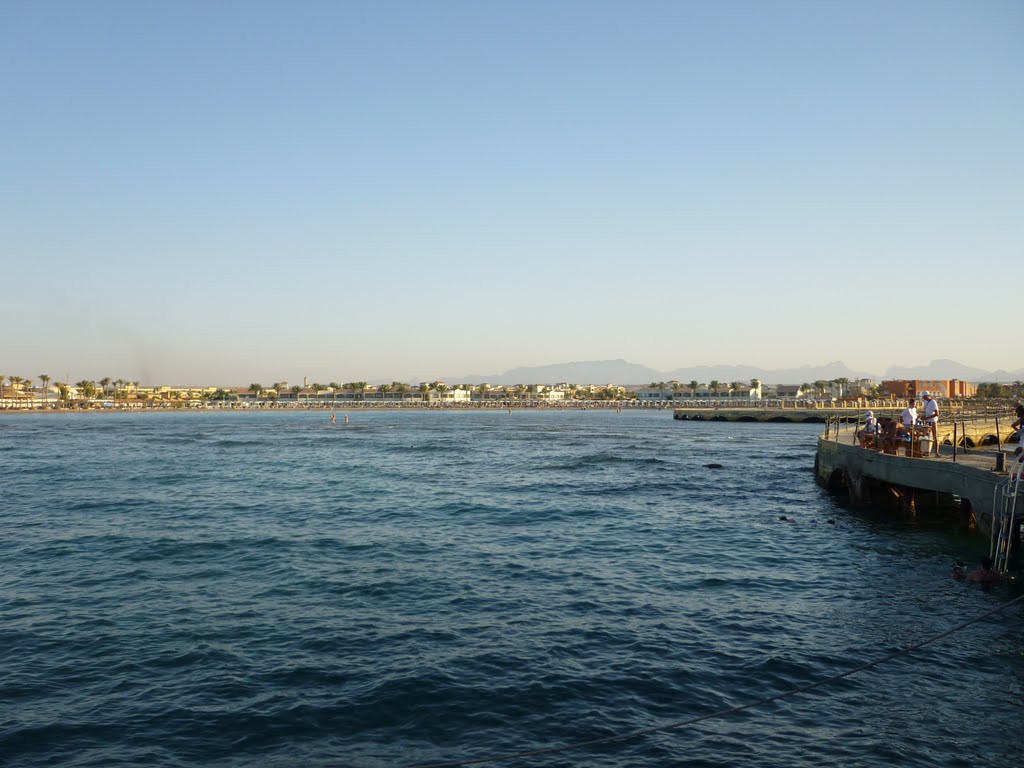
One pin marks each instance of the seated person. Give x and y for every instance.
(867, 435)
(887, 427)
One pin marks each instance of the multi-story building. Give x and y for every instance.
(906, 388)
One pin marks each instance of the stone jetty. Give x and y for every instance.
(966, 480)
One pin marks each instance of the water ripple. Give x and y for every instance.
(264, 589)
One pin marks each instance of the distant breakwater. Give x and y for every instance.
(772, 415)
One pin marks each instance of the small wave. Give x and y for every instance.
(602, 460)
(238, 443)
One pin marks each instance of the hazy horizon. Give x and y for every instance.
(234, 191)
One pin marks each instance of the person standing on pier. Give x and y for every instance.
(931, 418)
(1019, 426)
(909, 416)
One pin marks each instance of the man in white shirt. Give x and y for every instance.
(931, 418)
(909, 415)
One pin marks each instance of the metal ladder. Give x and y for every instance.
(1003, 525)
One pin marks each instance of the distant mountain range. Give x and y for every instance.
(625, 373)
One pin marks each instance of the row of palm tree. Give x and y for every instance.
(86, 387)
(694, 386)
(119, 387)
(823, 386)
(993, 391)
(19, 383)
(362, 389)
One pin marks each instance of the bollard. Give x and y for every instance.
(1000, 461)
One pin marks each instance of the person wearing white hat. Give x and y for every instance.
(867, 435)
(931, 418)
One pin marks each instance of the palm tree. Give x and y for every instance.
(46, 393)
(256, 389)
(693, 388)
(62, 392)
(87, 387)
(482, 390)
(2, 377)
(104, 383)
(384, 389)
(714, 386)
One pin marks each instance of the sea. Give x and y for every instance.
(478, 587)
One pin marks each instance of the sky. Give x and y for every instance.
(226, 192)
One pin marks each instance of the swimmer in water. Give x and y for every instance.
(985, 574)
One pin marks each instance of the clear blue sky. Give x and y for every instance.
(228, 192)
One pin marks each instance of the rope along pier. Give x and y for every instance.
(722, 712)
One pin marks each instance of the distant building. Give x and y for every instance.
(861, 386)
(653, 394)
(457, 395)
(907, 388)
(551, 395)
(789, 390)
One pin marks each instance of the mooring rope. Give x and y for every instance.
(722, 712)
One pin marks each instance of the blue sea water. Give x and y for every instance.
(266, 589)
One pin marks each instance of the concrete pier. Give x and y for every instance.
(917, 484)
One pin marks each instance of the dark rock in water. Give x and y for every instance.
(713, 466)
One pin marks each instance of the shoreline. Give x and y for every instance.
(326, 408)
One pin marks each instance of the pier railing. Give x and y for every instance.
(963, 429)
